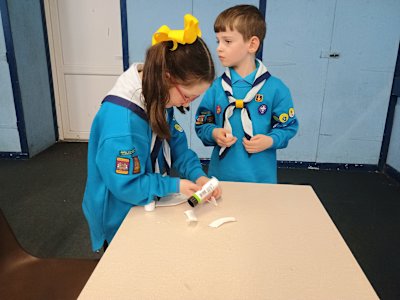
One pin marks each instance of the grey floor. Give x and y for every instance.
(41, 198)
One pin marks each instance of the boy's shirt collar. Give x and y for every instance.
(235, 77)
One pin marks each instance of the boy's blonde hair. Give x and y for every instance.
(246, 19)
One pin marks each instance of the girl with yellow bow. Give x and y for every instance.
(135, 139)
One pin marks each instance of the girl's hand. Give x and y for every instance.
(188, 188)
(258, 143)
(223, 137)
(216, 193)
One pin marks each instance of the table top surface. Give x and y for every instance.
(283, 245)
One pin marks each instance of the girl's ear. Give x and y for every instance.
(254, 44)
(167, 75)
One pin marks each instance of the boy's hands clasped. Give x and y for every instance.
(257, 143)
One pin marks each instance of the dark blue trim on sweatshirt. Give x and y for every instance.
(127, 104)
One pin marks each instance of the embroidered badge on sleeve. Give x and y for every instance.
(291, 112)
(122, 165)
(283, 118)
(127, 152)
(178, 127)
(205, 117)
(200, 120)
(136, 165)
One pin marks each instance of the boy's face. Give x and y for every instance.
(232, 50)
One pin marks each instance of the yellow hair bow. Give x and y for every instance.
(186, 36)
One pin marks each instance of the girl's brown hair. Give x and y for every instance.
(187, 65)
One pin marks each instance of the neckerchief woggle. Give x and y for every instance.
(261, 76)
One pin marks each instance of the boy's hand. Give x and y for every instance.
(223, 137)
(258, 143)
(203, 180)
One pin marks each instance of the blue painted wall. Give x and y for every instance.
(9, 136)
(341, 102)
(30, 54)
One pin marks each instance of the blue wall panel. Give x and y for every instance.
(341, 102)
(297, 33)
(30, 54)
(9, 136)
(366, 34)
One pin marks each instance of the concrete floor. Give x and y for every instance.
(41, 198)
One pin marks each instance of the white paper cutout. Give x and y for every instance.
(191, 217)
(172, 199)
(221, 221)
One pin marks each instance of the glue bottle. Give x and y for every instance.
(205, 191)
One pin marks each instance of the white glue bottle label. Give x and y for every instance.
(205, 191)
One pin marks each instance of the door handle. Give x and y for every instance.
(334, 55)
(329, 54)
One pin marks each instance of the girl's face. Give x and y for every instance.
(180, 95)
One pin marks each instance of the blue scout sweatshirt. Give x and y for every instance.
(272, 114)
(120, 169)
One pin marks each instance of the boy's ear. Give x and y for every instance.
(254, 44)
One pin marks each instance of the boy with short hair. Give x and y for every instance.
(246, 114)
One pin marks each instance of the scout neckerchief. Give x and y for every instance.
(157, 144)
(162, 145)
(261, 76)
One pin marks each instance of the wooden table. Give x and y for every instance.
(283, 246)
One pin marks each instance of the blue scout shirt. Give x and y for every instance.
(272, 114)
(120, 169)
